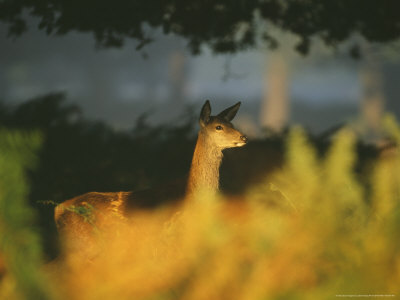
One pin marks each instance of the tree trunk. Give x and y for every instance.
(275, 103)
(372, 101)
(178, 77)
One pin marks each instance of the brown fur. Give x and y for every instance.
(204, 171)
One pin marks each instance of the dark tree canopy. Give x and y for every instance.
(227, 26)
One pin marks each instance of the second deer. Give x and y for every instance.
(78, 216)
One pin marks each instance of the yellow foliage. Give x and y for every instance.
(310, 231)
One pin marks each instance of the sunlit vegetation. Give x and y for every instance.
(20, 249)
(312, 229)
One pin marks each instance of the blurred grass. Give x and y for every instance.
(20, 247)
(309, 231)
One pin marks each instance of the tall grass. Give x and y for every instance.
(312, 230)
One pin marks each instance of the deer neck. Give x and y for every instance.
(204, 171)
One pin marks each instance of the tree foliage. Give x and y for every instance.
(226, 26)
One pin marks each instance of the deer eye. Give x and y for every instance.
(219, 127)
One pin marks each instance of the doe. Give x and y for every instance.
(76, 216)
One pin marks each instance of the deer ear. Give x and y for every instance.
(205, 113)
(229, 113)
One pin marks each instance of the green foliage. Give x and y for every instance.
(20, 245)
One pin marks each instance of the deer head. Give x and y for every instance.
(218, 130)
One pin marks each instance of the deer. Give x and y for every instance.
(76, 217)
